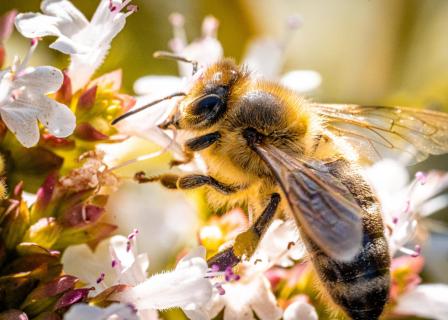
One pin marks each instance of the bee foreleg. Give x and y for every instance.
(196, 144)
(202, 142)
(193, 181)
(246, 242)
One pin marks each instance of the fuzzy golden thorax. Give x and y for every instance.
(226, 99)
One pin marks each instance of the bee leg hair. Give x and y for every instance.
(173, 181)
(196, 144)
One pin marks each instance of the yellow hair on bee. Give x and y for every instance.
(3, 190)
(2, 164)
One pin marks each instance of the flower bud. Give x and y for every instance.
(44, 295)
(15, 224)
(44, 232)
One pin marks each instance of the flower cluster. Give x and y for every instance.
(59, 257)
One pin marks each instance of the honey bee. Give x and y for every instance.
(265, 145)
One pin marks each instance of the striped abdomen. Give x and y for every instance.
(360, 286)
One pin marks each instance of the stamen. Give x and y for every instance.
(394, 220)
(418, 250)
(112, 7)
(210, 27)
(413, 253)
(131, 239)
(294, 21)
(15, 64)
(132, 8)
(123, 4)
(114, 263)
(179, 41)
(30, 52)
(100, 278)
(133, 234)
(421, 177)
(215, 268)
(220, 289)
(229, 275)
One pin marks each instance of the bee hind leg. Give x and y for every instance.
(247, 242)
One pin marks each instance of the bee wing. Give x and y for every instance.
(388, 132)
(320, 203)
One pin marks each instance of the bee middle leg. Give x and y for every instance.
(193, 181)
(246, 242)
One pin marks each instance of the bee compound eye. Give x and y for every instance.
(206, 104)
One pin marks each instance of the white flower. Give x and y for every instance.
(116, 262)
(116, 259)
(252, 292)
(300, 310)
(116, 311)
(86, 42)
(426, 300)
(405, 203)
(205, 50)
(187, 287)
(24, 101)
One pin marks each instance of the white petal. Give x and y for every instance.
(302, 80)
(148, 315)
(273, 248)
(238, 311)
(21, 118)
(264, 303)
(133, 268)
(43, 79)
(32, 25)
(265, 57)
(103, 13)
(136, 273)
(83, 66)
(80, 261)
(66, 11)
(56, 117)
(185, 287)
(196, 315)
(195, 257)
(157, 85)
(427, 300)
(67, 46)
(115, 311)
(118, 247)
(300, 310)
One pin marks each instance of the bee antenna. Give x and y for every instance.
(173, 56)
(130, 113)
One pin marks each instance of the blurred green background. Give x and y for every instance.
(370, 52)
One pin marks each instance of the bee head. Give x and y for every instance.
(207, 101)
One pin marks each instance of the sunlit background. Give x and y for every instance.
(372, 52)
